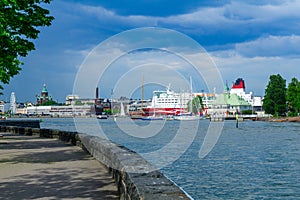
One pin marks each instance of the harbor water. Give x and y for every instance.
(258, 160)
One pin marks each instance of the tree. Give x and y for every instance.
(197, 105)
(275, 96)
(19, 23)
(49, 103)
(293, 97)
(78, 103)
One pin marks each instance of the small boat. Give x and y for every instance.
(134, 117)
(169, 118)
(152, 118)
(186, 117)
(102, 116)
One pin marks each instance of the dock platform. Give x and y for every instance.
(37, 168)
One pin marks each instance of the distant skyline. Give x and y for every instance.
(246, 39)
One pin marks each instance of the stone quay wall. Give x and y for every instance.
(21, 123)
(135, 178)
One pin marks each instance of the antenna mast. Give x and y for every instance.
(143, 92)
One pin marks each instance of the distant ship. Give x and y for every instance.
(103, 115)
(167, 102)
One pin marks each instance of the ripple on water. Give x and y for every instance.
(259, 160)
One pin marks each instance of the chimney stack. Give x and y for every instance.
(97, 93)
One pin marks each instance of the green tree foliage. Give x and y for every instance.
(275, 96)
(49, 103)
(19, 23)
(293, 97)
(78, 103)
(197, 105)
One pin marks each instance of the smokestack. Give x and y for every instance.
(97, 93)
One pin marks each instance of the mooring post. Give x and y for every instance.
(237, 120)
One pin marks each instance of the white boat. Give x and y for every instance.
(122, 112)
(152, 118)
(169, 118)
(188, 116)
(102, 116)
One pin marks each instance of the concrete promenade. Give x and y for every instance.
(37, 168)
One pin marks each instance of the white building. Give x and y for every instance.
(60, 111)
(13, 103)
(38, 110)
(71, 99)
(207, 101)
(238, 88)
(2, 108)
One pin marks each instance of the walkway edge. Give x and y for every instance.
(136, 178)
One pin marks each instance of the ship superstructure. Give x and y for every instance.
(168, 102)
(238, 88)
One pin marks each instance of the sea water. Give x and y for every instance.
(258, 160)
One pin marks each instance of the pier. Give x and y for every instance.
(32, 167)
(32, 171)
(241, 118)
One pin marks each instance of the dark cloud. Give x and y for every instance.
(154, 7)
(248, 28)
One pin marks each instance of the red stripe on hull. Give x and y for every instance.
(162, 111)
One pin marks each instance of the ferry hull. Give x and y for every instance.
(161, 111)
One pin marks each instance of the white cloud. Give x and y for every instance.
(271, 46)
(251, 59)
(203, 16)
(236, 18)
(268, 12)
(255, 70)
(105, 15)
(230, 14)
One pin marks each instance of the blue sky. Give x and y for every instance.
(244, 39)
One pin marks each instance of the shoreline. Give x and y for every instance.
(280, 119)
(134, 176)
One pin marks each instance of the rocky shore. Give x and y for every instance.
(280, 119)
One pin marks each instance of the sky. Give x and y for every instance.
(243, 39)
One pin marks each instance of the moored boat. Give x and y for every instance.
(187, 117)
(102, 116)
(152, 118)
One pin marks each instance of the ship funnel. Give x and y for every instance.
(97, 93)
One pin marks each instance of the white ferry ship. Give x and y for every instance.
(168, 102)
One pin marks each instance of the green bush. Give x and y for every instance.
(247, 112)
(292, 114)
